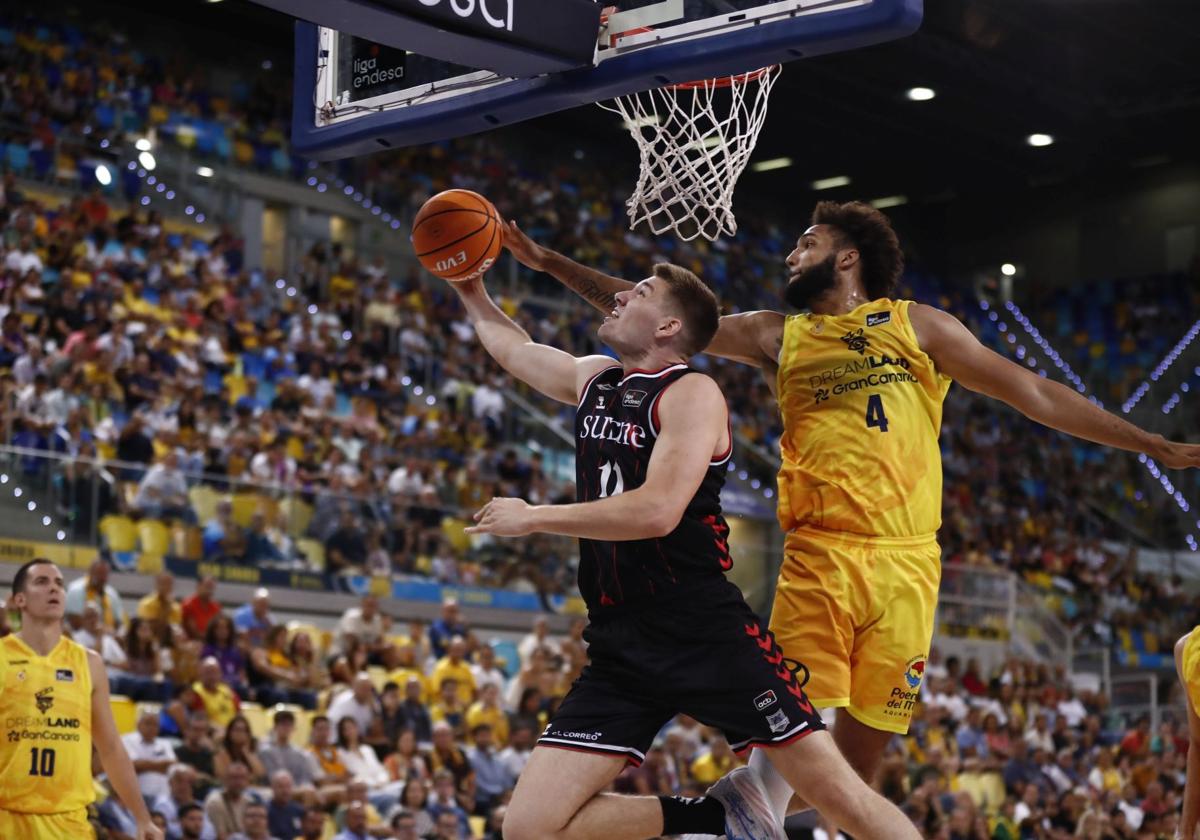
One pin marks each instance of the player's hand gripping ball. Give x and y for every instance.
(457, 235)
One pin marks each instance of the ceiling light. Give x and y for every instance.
(921, 94)
(1040, 140)
(147, 161)
(831, 183)
(889, 201)
(143, 144)
(103, 175)
(1008, 270)
(204, 171)
(773, 163)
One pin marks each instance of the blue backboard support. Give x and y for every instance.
(325, 129)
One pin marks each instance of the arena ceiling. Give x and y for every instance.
(1115, 82)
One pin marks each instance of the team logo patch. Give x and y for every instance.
(762, 701)
(64, 675)
(44, 700)
(914, 672)
(600, 401)
(633, 399)
(778, 722)
(874, 319)
(856, 341)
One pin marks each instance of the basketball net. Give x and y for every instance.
(695, 141)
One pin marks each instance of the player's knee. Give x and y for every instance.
(521, 824)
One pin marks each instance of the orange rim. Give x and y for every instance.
(724, 81)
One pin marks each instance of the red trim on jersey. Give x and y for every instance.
(653, 374)
(716, 462)
(587, 386)
(749, 745)
(654, 427)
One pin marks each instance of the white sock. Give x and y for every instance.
(779, 792)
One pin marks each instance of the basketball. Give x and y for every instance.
(456, 235)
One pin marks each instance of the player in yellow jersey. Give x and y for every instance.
(1187, 665)
(53, 707)
(860, 379)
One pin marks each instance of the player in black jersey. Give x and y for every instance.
(668, 632)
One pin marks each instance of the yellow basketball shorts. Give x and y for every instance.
(69, 825)
(857, 614)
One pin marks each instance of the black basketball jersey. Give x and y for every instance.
(615, 429)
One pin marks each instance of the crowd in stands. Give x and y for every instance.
(389, 727)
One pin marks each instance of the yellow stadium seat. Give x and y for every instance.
(478, 825)
(124, 713)
(245, 505)
(150, 564)
(453, 530)
(204, 501)
(257, 717)
(297, 515)
(119, 533)
(154, 537)
(378, 676)
(187, 541)
(314, 551)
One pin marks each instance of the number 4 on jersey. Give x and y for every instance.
(876, 419)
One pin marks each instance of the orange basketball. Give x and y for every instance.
(457, 235)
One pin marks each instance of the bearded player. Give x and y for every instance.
(860, 378)
(54, 705)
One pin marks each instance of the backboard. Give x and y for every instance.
(354, 97)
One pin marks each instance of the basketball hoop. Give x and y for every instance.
(695, 140)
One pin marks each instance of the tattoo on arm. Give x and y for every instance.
(581, 281)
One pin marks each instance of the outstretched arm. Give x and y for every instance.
(752, 338)
(959, 354)
(112, 752)
(553, 372)
(694, 426)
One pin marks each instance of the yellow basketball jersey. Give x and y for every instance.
(1191, 668)
(46, 744)
(862, 410)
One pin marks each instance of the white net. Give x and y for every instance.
(695, 142)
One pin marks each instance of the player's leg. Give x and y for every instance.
(812, 620)
(815, 767)
(559, 796)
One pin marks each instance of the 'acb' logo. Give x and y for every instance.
(44, 699)
(856, 341)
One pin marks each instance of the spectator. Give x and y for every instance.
(216, 699)
(141, 676)
(239, 745)
(326, 752)
(313, 825)
(358, 703)
(226, 806)
(223, 538)
(404, 825)
(406, 762)
(453, 666)
(487, 710)
(285, 816)
(449, 709)
(201, 607)
(359, 759)
(163, 492)
(356, 823)
(181, 781)
(254, 817)
(94, 588)
(278, 754)
(446, 755)
(413, 800)
(254, 619)
(539, 637)
(152, 756)
(220, 643)
(93, 635)
(346, 547)
(160, 607)
(415, 710)
(197, 752)
(492, 779)
(485, 671)
(446, 808)
(193, 824)
(366, 624)
(520, 746)
(446, 627)
(715, 763)
(262, 545)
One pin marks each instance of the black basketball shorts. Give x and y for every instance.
(710, 658)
